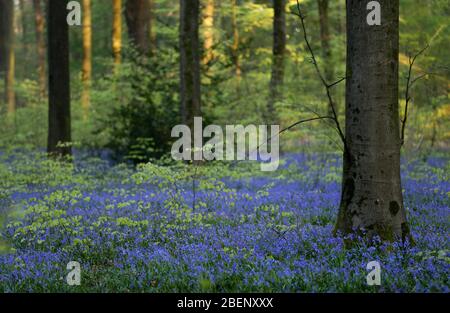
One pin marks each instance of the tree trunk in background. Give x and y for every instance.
(152, 27)
(40, 43)
(117, 32)
(325, 38)
(7, 56)
(278, 54)
(371, 186)
(235, 46)
(208, 33)
(59, 79)
(340, 4)
(189, 61)
(23, 21)
(137, 13)
(86, 74)
(3, 39)
(10, 78)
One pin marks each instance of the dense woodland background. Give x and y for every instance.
(360, 182)
(125, 72)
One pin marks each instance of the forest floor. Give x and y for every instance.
(209, 229)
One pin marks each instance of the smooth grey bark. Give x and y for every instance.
(278, 56)
(189, 61)
(371, 186)
(59, 131)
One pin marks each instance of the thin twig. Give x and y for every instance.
(328, 124)
(286, 129)
(321, 77)
(304, 121)
(409, 83)
(418, 78)
(292, 126)
(337, 82)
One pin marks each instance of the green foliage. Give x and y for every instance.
(178, 178)
(140, 127)
(133, 110)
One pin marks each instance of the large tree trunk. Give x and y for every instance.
(325, 38)
(40, 43)
(137, 13)
(372, 194)
(86, 74)
(117, 32)
(279, 48)
(59, 79)
(208, 31)
(189, 61)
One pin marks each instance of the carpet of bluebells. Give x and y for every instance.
(210, 228)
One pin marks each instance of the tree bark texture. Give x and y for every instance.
(278, 56)
(86, 74)
(137, 13)
(371, 198)
(7, 56)
(59, 131)
(189, 61)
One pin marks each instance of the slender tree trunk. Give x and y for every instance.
(86, 75)
(10, 78)
(325, 38)
(340, 19)
(5, 25)
(23, 21)
(117, 32)
(189, 61)
(208, 31)
(371, 189)
(7, 55)
(40, 43)
(235, 45)
(59, 79)
(278, 56)
(137, 13)
(152, 27)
